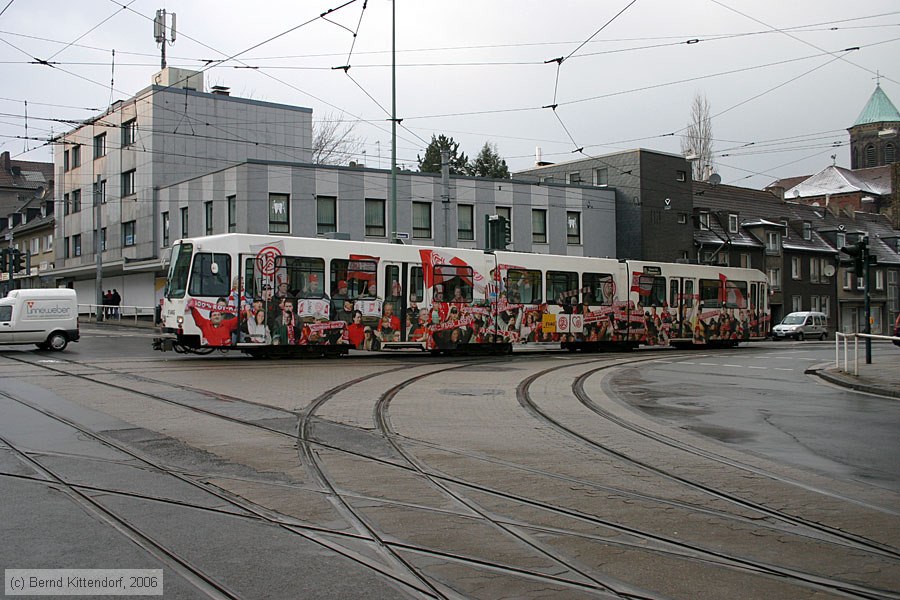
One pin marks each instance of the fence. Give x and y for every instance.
(838, 337)
(117, 313)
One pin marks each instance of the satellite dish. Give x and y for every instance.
(796, 193)
(40, 193)
(715, 179)
(828, 270)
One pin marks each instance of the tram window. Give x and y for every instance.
(652, 290)
(711, 293)
(674, 300)
(211, 275)
(252, 286)
(178, 271)
(688, 296)
(735, 294)
(562, 287)
(359, 274)
(523, 287)
(452, 283)
(303, 275)
(394, 290)
(599, 288)
(416, 285)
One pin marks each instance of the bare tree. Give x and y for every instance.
(697, 141)
(334, 142)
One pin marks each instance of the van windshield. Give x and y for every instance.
(794, 320)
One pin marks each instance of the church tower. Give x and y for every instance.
(874, 139)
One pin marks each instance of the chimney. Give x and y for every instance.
(4, 162)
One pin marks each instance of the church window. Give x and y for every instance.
(870, 156)
(890, 153)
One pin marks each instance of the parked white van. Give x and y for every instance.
(47, 318)
(799, 325)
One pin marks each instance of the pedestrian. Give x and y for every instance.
(107, 303)
(116, 301)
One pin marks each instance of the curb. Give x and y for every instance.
(859, 386)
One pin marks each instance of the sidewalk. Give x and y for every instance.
(882, 377)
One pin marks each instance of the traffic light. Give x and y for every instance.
(859, 258)
(4, 260)
(18, 260)
(498, 232)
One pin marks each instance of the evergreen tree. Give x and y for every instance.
(431, 163)
(489, 164)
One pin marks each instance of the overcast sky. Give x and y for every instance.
(780, 83)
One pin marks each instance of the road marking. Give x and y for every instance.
(782, 369)
(734, 366)
(752, 367)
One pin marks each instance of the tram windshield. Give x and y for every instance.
(179, 267)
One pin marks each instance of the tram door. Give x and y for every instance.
(403, 293)
(681, 301)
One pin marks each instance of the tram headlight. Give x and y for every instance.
(180, 320)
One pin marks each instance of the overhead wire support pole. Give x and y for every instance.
(393, 120)
(98, 249)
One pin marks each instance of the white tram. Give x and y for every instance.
(268, 295)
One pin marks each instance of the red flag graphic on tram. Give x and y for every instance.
(430, 258)
(641, 284)
(362, 267)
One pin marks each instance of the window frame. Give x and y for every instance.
(420, 232)
(100, 145)
(539, 237)
(733, 224)
(570, 237)
(796, 267)
(232, 213)
(129, 234)
(375, 207)
(129, 132)
(165, 229)
(184, 214)
(76, 245)
(601, 176)
(703, 220)
(322, 226)
(463, 233)
(128, 183)
(277, 223)
(208, 217)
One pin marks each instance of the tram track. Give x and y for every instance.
(309, 446)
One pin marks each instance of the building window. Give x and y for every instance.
(129, 132)
(506, 213)
(100, 145)
(680, 175)
(128, 183)
(375, 218)
(601, 176)
(745, 261)
(208, 216)
(165, 230)
(796, 267)
(35, 245)
(815, 270)
(682, 218)
(841, 240)
(573, 228)
(860, 283)
(825, 306)
(101, 191)
(48, 243)
(76, 245)
(539, 226)
(796, 303)
(732, 223)
(184, 222)
(232, 214)
(787, 230)
(879, 280)
(279, 213)
(870, 155)
(326, 214)
(76, 201)
(66, 253)
(76, 156)
(774, 278)
(773, 242)
(807, 230)
(848, 280)
(890, 153)
(704, 221)
(421, 220)
(575, 178)
(128, 233)
(465, 222)
(66, 166)
(103, 239)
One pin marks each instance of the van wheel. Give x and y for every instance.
(800, 337)
(824, 336)
(57, 341)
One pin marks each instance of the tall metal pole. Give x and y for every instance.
(393, 120)
(445, 193)
(98, 249)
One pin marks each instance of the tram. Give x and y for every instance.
(265, 296)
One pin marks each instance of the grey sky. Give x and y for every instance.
(776, 71)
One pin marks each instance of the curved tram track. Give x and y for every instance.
(438, 531)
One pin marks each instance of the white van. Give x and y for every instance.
(47, 318)
(799, 325)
